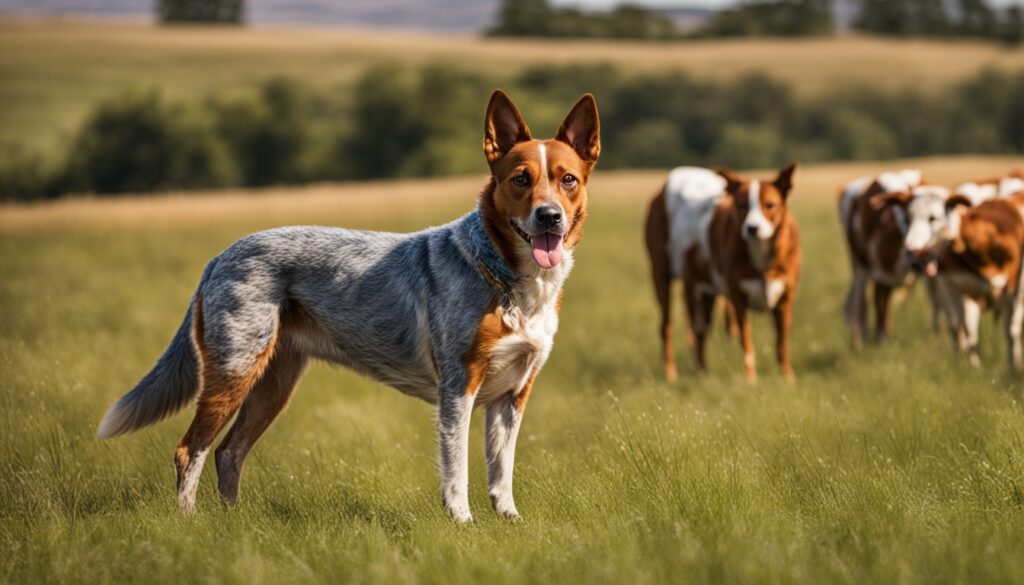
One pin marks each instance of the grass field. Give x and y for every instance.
(53, 71)
(898, 464)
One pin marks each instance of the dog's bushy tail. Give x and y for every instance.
(167, 388)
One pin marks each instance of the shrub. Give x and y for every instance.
(137, 142)
(265, 134)
(650, 144)
(748, 146)
(853, 135)
(24, 175)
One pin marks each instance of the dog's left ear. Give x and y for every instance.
(504, 127)
(733, 180)
(582, 129)
(784, 182)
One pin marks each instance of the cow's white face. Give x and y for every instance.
(929, 225)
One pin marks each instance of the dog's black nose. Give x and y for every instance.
(548, 215)
(750, 229)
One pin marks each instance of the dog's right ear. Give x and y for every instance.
(503, 127)
(733, 180)
(883, 199)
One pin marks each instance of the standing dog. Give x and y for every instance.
(729, 236)
(461, 315)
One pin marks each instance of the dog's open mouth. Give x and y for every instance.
(547, 247)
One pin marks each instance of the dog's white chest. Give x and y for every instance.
(519, 355)
(763, 295)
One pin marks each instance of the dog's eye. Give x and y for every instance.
(568, 181)
(521, 179)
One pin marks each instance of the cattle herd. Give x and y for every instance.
(732, 238)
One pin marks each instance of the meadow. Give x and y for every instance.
(52, 71)
(895, 464)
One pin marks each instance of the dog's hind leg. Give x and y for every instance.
(265, 401)
(226, 380)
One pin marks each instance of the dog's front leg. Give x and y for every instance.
(456, 407)
(502, 427)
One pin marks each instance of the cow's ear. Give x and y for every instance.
(784, 181)
(955, 201)
(733, 180)
(883, 199)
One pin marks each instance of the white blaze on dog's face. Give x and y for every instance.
(761, 204)
(539, 199)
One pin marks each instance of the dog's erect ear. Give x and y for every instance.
(582, 129)
(955, 201)
(784, 182)
(882, 199)
(503, 127)
(733, 180)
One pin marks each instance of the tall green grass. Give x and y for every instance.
(895, 464)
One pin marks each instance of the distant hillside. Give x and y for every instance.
(434, 15)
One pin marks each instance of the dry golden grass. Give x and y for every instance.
(52, 71)
(358, 204)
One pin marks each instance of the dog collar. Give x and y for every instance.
(478, 248)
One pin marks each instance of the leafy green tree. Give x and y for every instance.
(1011, 29)
(785, 18)
(216, 11)
(976, 18)
(522, 18)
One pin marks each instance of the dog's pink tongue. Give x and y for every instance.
(547, 250)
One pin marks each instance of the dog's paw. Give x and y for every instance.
(512, 515)
(460, 514)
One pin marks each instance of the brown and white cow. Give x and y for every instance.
(875, 236)
(980, 190)
(973, 256)
(733, 238)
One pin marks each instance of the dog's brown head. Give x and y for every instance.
(761, 205)
(537, 201)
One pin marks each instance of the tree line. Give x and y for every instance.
(782, 18)
(421, 122)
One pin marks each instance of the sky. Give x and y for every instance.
(604, 4)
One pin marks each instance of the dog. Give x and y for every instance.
(461, 315)
(727, 236)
